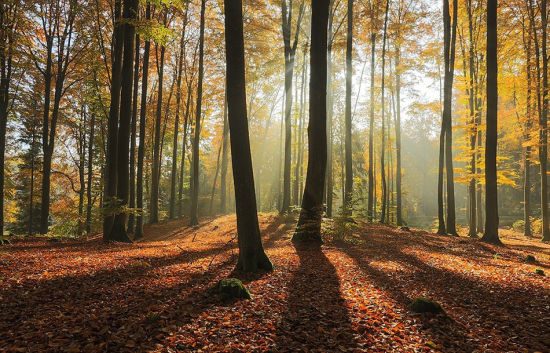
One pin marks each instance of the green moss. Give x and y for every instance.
(540, 272)
(231, 288)
(530, 258)
(423, 305)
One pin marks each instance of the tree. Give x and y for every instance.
(251, 253)
(309, 222)
(196, 140)
(225, 155)
(491, 190)
(8, 30)
(135, 93)
(290, 53)
(110, 191)
(445, 141)
(142, 122)
(543, 150)
(383, 145)
(118, 231)
(348, 194)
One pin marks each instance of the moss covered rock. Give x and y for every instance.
(231, 288)
(423, 305)
(530, 258)
(540, 272)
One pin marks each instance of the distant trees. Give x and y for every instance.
(290, 55)
(251, 254)
(194, 216)
(309, 222)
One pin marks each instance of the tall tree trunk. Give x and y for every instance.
(348, 194)
(196, 150)
(81, 171)
(110, 192)
(213, 192)
(89, 202)
(251, 253)
(383, 145)
(142, 124)
(370, 205)
(225, 150)
(491, 204)
(132, 216)
(527, 154)
(118, 232)
(472, 92)
(173, 176)
(543, 150)
(330, 109)
(448, 95)
(309, 223)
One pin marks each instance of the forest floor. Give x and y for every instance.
(153, 295)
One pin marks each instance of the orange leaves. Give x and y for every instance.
(85, 296)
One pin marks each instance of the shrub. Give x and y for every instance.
(519, 226)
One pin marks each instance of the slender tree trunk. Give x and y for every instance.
(527, 154)
(132, 216)
(110, 192)
(473, 137)
(543, 150)
(213, 192)
(370, 205)
(348, 194)
(89, 202)
(196, 140)
(142, 124)
(491, 204)
(119, 232)
(451, 213)
(383, 145)
(309, 223)
(81, 172)
(251, 253)
(225, 150)
(330, 109)
(399, 209)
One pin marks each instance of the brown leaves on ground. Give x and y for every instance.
(86, 296)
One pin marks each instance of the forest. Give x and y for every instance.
(274, 176)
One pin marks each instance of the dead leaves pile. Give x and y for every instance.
(86, 296)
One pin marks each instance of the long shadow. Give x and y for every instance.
(315, 318)
(512, 310)
(111, 307)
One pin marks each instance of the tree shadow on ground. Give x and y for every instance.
(504, 311)
(316, 318)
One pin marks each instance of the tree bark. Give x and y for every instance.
(309, 222)
(89, 202)
(398, 175)
(370, 205)
(330, 109)
(225, 150)
(251, 253)
(110, 192)
(543, 150)
(119, 231)
(491, 204)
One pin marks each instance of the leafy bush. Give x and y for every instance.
(519, 226)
